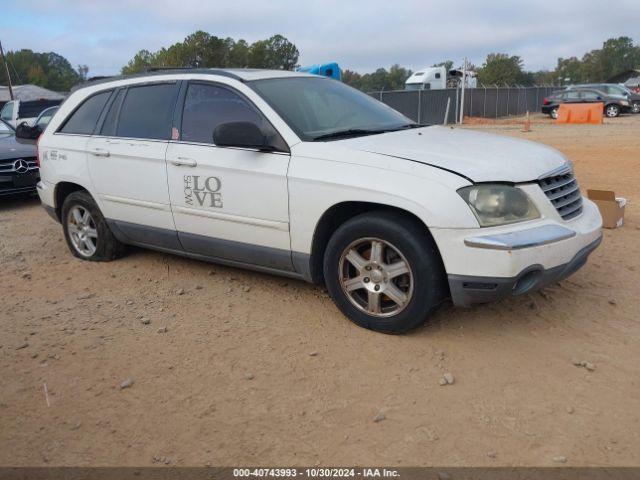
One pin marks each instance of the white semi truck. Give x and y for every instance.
(438, 78)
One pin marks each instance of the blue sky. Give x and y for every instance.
(360, 35)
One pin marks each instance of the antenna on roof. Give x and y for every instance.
(6, 67)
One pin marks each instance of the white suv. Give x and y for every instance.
(303, 176)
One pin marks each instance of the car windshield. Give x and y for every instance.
(319, 108)
(45, 117)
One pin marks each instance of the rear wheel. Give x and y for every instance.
(384, 272)
(86, 231)
(636, 107)
(554, 113)
(612, 110)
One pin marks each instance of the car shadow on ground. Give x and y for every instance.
(15, 202)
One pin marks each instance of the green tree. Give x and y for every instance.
(351, 78)
(201, 49)
(501, 69)
(569, 70)
(381, 79)
(615, 56)
(276, 53)
(49, 70)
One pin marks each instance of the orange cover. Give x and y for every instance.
(580, 113)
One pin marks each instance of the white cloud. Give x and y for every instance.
(359, 35)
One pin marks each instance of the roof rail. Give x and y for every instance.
(155, 71)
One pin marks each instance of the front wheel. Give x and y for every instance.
(612, 110)
(554, 113)
(636, 107)
(384, 272)
(86, 231)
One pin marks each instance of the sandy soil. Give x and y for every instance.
(255, 369)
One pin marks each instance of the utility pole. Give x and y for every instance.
(6, 67)
(464, 81)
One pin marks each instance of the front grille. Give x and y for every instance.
(6, 165)
(564, 193)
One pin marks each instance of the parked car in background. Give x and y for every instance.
(613, 104)
(304, 176)
(45, 117)
(15, 112)
(613, 89)
(32, 132)
(18, 165)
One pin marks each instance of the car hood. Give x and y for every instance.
(12, 147)
(478, 156)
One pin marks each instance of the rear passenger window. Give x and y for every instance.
(147, 112)
(207, 106)
(84, 119)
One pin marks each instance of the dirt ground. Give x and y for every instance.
(259, 370)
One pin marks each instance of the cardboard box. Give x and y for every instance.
(611, 207)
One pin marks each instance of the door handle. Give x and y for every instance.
(99, 152)
(184, 162)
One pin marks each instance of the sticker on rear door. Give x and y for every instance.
(202, 191)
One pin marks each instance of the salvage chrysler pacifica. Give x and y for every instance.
(303, 176)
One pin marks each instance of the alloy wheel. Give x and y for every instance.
(82, 231)
(376, 277)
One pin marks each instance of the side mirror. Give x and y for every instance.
(242, 135)
(27, 132)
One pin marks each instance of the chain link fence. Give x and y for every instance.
(430, 106)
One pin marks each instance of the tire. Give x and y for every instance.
(88, 237)
(636, 107)
(554, 113)
(406, 299)
(612, 110)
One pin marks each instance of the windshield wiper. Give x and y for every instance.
(347, 133)
(353, 132)
(408, 126)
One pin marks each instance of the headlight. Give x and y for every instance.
(498, 204)
(624, 102)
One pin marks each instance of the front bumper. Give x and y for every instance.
(10, 186)
(470, 290)
(486, 264)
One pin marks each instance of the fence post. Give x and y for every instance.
(446, 111)
(497, 94)
(420, 106)
(508, 98)
(457, 103)
(484, 103)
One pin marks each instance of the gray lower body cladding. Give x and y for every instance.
(465, 290)
(217, 250)
(470, 290)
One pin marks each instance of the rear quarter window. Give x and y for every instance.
(84, 118)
